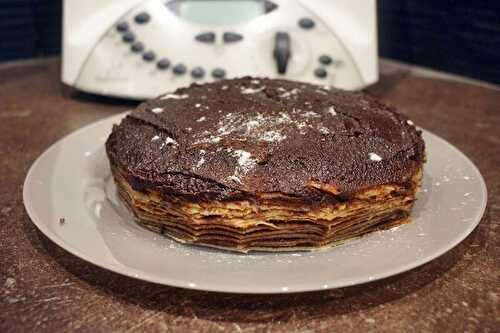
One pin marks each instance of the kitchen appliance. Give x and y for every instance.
(138, 49)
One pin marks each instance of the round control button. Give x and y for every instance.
(149, 56)
(231, 37)
(325, 59)
(269, 6)
(179, 69)
(218, 73)
(320, 73)
(306, 23)
(198, 72)
(205, 37)
(142, 18)
(128, 37)
(163, 63)
(122, 27)
(137, 47)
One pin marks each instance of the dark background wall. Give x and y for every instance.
(30, 28)
(456, 36)
(459, 36)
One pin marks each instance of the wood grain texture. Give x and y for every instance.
(45, 289)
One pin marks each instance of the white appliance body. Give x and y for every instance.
(140, 48)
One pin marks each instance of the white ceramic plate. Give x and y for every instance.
(71, 180)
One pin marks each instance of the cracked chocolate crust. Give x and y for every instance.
(236, 139)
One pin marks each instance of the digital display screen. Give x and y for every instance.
(220, 12)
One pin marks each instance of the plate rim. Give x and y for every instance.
(59, 241)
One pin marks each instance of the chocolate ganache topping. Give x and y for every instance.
(239, 138)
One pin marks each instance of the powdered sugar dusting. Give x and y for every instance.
(251, 124)
(262, 127)
(309, 114)
(200, 162)
(235, 178)
(245, 164)
(154, 138)
(175, 96)
(272, 136)
(214, 139)
(324, 130)
(255, 126)
(247, 91)
(169, 142)
(202, 159)
(375, 157)
(286, 94)
(245, 161)
(331, 110)
(157, 110)
(259, 127)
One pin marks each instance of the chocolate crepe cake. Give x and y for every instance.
(260, 164)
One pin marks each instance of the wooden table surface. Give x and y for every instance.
(43, 288)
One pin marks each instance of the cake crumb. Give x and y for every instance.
(62, 220)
